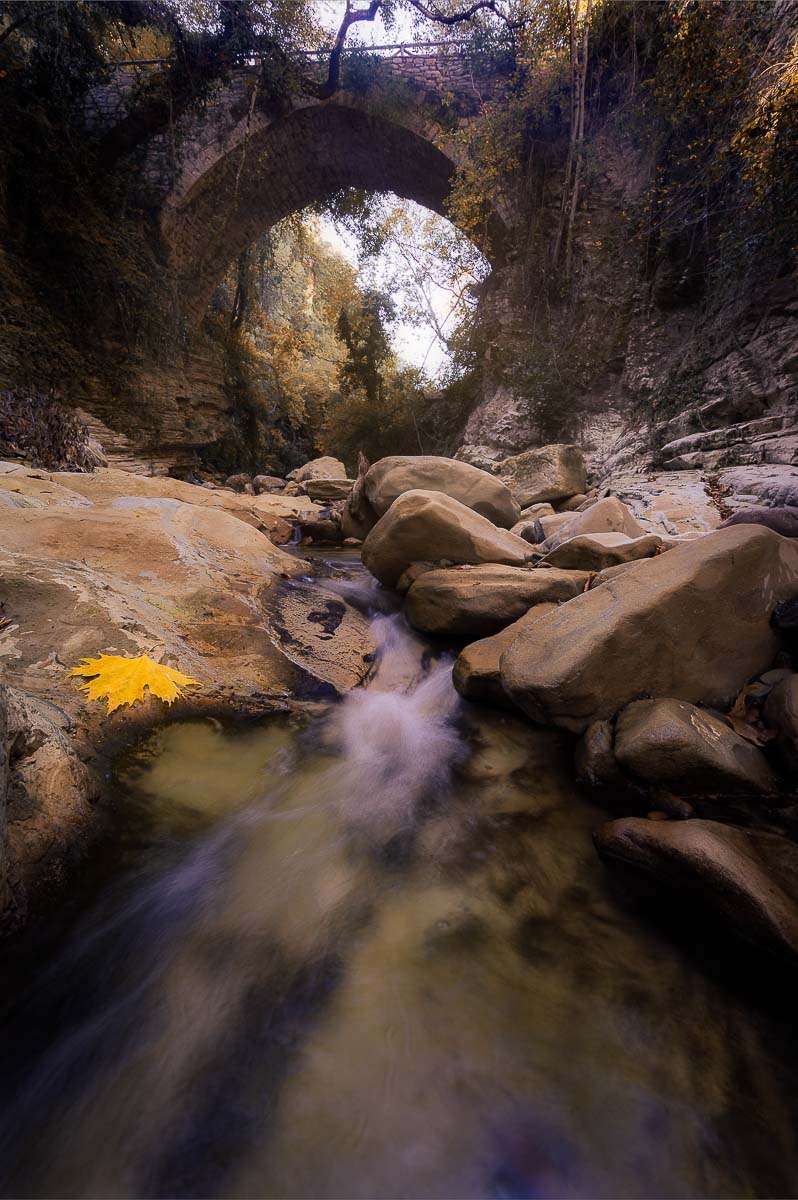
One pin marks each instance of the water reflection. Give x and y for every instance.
(393, 969)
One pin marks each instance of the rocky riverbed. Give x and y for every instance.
(651, 617)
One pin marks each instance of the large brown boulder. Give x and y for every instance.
(677, 745)
(479, 601)
(693, 624)
(609, 515)
(746, 878)
(322, 490)
(554, 472)
(476, 672)
(430, 527)
(484, 493)
(326, 467)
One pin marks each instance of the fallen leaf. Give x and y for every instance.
(122, 681)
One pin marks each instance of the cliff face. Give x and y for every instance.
(674, 343)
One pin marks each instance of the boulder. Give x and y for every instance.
(598, 551)
(537, 510)
(781, 707)
(573, 504)
(239, 483)
(479, 601)
(594, 758)
(553, 524)
(428, 526)
(391, 477)
(409, 577)
(693, 624)
(319, 468)
(783, 520)
(610, 573)
(747, 878)
(322, 490)
(267, 483)
(553, 472)
(605, 516)
(476, 670)
(530, 529)
(674, 744)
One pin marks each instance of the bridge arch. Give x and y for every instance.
(246, 174)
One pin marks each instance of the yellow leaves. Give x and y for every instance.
(122, 681)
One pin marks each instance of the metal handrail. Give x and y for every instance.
(407, 47)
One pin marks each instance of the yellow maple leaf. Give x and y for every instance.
(122, 680)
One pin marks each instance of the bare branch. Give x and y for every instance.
(351, 17)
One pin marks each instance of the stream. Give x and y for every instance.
(375, 955)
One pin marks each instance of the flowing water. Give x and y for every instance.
(376, 956)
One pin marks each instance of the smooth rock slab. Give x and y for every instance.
(397, 474)
(673, 743)
(693, 624)
(430, 527)
(479, 601)
(747, 878)
(554, 472)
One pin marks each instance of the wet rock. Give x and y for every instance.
(781, 706)
(479, 601)
(318, 468)
(267, 483)
(594, 758)
(428, 526)
(46, 803)
(484, 493)
(781, 520)
(322, 490)
(323, 635)
(673, 743)
(693, 624)
(239, 483)
(553, 472)
(476, 672)
(747, 878)
(598, 551)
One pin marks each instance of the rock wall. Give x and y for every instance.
(669, 347)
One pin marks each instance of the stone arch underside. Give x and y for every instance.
(282, 168)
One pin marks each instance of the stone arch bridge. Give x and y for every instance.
(228, 172)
